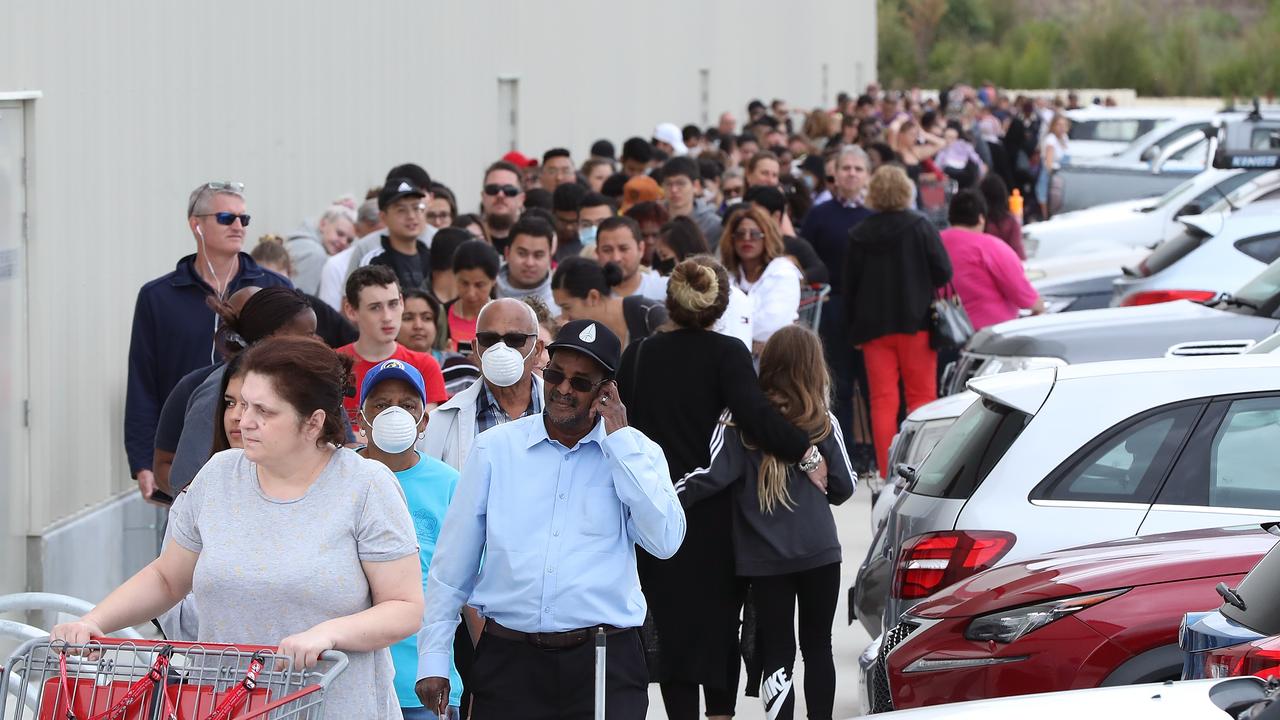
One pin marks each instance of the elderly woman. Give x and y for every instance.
(893, 266)
(756, 258)
(675, 385)
(293, 541)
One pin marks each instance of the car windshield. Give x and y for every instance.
(1261, 290)
(969, 449)
(1239, 190)
(1177, 192)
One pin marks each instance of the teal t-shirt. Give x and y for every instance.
(428, 488)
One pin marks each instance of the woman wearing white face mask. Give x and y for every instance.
(393, 415)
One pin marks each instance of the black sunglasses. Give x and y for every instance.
(556, 377)
(509, 190)
(226, 218)
(515, 340)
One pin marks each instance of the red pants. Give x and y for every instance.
(888, 359)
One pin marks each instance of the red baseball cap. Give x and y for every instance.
(519, 159)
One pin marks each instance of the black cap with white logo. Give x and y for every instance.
(397, 188)
(592, 339)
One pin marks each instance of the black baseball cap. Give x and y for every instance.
(397, 188)
(592, 339)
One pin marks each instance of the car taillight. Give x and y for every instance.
(927, 563)
(1261, 658)
(1152, 297)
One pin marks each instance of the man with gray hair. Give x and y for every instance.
(827, 228)
(508, 347)
(173, 327)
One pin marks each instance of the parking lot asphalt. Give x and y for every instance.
(854, 521)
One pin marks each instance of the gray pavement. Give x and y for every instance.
(854, 520)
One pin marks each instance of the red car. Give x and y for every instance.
(1105, 614)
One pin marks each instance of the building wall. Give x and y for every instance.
(306, 100)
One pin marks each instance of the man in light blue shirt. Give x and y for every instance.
(555, 503)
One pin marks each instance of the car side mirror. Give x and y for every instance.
(1149, 154)
(906, 472)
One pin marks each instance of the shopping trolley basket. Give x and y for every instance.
(112, 679)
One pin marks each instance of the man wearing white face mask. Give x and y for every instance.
(393, 415)
(508, 346)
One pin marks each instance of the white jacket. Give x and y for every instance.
(452, 426)
(775, 297)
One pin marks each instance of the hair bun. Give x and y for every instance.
(693, 286)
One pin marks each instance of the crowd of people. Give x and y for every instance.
(421, 422)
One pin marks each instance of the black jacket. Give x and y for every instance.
(894, 264)
(788, 540)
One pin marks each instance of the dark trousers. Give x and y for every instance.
(815, 592)
(681, 700)
(514, 679)
(463, 654)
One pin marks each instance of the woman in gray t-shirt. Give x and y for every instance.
(292, 541)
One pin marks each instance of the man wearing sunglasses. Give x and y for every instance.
(173, 328)
(501, 202)
(556, 504)
(507, 345)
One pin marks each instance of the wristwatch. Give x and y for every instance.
(812, 460)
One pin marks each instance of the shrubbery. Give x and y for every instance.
(1192, 52)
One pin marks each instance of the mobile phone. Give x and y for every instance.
(162, 497)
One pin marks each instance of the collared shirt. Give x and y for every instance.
(557, 528)
(489, 412)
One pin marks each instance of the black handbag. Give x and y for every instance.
(949, 325)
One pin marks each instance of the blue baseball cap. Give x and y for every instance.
(393, 370)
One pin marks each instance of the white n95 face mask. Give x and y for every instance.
(503, 365)
(394, 430)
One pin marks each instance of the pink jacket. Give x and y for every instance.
(988, 276)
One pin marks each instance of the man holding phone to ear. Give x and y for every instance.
(556, 503)
(173, 328)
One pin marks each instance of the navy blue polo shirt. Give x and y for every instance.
(173, 335)
(827, 227)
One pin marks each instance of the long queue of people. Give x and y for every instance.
(602, 357)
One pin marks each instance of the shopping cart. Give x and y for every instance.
(811, 299)
(123, 679)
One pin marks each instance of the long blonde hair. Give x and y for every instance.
(794, 376)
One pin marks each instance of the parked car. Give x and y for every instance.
(1159, 160)
(1226, 699)
(1098, 131)
(1241, 637)
(1098, 615)
(1215, 253)
(917, 436)
(1080, 282)
(1059, 457)
(1229, 324)
(1148, 221)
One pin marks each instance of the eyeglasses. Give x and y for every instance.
(493, 189)
(442, 215)
(732, 192)
(515, 340)
(227, 218)
(748, 234)
(580, 384)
